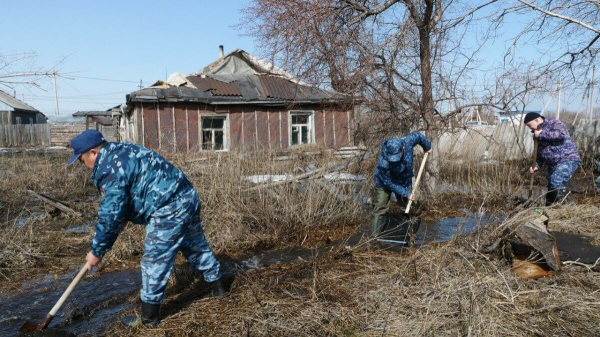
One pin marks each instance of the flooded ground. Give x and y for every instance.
(98, 300)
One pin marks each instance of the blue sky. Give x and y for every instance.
(117, 40)
(142, 40)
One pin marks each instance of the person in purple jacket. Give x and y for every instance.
(557, 150)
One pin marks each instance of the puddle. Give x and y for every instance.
(98, 301)
(22, 221)
(87, 227)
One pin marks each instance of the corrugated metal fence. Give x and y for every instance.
(25, 135)
(507, 141)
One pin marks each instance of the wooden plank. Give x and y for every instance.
(55, 203)
(318, 172)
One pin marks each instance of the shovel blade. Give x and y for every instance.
(29, 326)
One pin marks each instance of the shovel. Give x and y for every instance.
(527, 202)
(416, 183)
(31, 326)
(535, 150)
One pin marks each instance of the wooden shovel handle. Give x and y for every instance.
(535, 151)
(416, 182)
(69, 290)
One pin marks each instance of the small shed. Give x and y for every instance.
(107, 122)
(237, 102)
(13, 111)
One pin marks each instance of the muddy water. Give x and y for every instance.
(98, 301)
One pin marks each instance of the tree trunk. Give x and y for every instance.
(427, 109)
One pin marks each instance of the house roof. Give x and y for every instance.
(9, 103)
(114, 111)
(237, 78)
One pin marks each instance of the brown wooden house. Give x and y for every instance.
(237, 102)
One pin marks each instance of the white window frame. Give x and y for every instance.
(311, 126)
(18, 120)
(225, 131)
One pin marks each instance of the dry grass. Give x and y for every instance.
(234, 220)
(441, 290)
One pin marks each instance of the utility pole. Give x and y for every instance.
(141, 86)
(55, 94)
(558, 99)
(591, 107)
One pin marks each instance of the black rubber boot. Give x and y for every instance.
(149, 317)
(561, 195)
(217, 288)
(551, 197)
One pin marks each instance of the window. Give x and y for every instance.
(301, 127)
(213, 133)
(18, 120)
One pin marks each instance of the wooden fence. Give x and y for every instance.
(25, 135)
(61, 134)
(32, 135)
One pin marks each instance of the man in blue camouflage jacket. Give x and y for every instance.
(557, 150)
(141, 186)
(394, 173)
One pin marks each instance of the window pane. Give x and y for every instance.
(302, 119)
(294, 119)
(213, 122)
(218, 140)
(294, 135)
(207, 140)
(304, 134)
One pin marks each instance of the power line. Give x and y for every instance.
(102, 105)
(102, 79)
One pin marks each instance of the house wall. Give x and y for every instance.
(10, 117)
(175, 126)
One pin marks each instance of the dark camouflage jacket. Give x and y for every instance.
(134, 182)
(555, 144)
(397, 177)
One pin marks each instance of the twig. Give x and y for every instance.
(589, 267)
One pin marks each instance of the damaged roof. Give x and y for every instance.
(9, 103)
(237, 78)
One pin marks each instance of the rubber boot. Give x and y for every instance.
(561, 195)
(150, 316)
(376, 225)
(551, 197)
(217, 288)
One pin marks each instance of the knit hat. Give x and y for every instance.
(531, 116)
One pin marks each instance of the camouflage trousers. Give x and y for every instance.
(560, 174)
(175, 227)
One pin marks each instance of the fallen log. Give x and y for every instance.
(55, 203)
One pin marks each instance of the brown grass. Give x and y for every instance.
(440, 290)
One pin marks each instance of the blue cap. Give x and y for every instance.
(84, 142)
(394, 149)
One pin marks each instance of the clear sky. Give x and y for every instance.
(115, 40)
(123, 42)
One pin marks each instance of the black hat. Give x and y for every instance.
(531, 116)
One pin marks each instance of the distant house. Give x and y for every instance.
(239, 101)
(514, 116)
(107, 122)
(13, 111)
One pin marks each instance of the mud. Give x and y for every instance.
(99, 300)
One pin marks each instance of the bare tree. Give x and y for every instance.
(21, 69)
(569, 30)
(404, 58)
